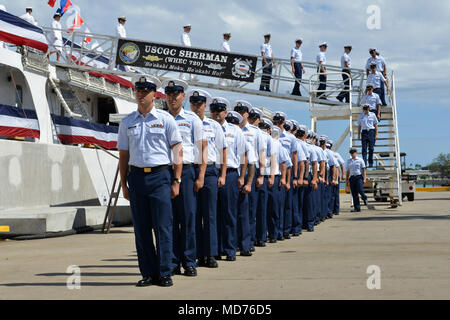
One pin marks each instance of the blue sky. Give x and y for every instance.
(413, 38)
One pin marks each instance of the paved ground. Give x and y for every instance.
(411, 245)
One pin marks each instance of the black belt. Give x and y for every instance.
(150, 170)
(356, 176)
(368, 130)
(187, 165)
(209, 165)
(231, 170)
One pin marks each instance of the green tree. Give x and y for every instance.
(441, 164)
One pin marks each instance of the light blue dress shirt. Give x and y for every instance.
(148, 140)
(191, 131)
(214, 135)
(236, 145)
(367, 122)
(376, 79)
(372, 100)
(379, 60)
(355, 166)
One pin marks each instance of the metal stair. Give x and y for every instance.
(385, 176)
(70, 96)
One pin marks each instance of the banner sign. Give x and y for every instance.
(209, 63)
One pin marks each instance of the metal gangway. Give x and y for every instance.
(99, 54)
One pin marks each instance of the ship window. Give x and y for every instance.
(19, 96)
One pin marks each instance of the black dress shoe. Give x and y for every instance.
(201, 262)
(211, 263)
(218, 258)
(296, 234)
(145, 282)
(330, 216)
(287, 236)
(356, 210)
(310, 229)
(365, 202)
(272, 240)
(246, 253)
(340, 99)
(190, 272)
(252, 249)
(231, 258)
(260, 244)
(165, 281)
(176, 271)
(280, 238)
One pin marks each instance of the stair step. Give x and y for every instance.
(379, 146)
(379, 139)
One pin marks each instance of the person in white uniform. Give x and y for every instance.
(186, 41)
(28, 17)
(57, 37)
(225, 47)
(121, 32)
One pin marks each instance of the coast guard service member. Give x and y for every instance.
(228, 194)
(186, 41)
(297, 66)
(373, 100)
(378, 80)
(214, 154)
(146, 140)
(368, 129)
(321, 174)
(297, 216)
(57, 37)
(346, 64)
(243, 217)
(303, 180)
(309, 202)
(184, 206)
(28, 17)
(120, 28)
(278, 161)
(265, 125)
(256, 158)
(267, 63)
(335, 200)
(331, 179)
(226, 47)
(356, 171)
(322, 61)
(381, 67)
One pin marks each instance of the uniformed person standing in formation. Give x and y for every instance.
(275, 199)
(356, 172)
(335, 198)
(146, 140)
(256, 161)
(367, 133)
(322, 61)
(346, 65)
(268, 63)
(120, 28)
(28, 17)
(297, 66)
(266, 175)
(373, 100)
(228, 195)
(57, 37)
(185, 205)
(215, 177)
(309, 202)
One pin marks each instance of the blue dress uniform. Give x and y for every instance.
(319, 195)
(227, 212)
(206, 222)
(263, 191)
(284, 198)
(335, 198)
(149, 140)
(275, 192)
(381, 64)
(368, 125)
(253, 137)
(310, 194)
(332, 164)
(356, 167)
(288, 141)
(297, 216)
(184, 206)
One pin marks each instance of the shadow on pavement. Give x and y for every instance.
(63, 284)
(401, 218)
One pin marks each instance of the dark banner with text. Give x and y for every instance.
(209, 63)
